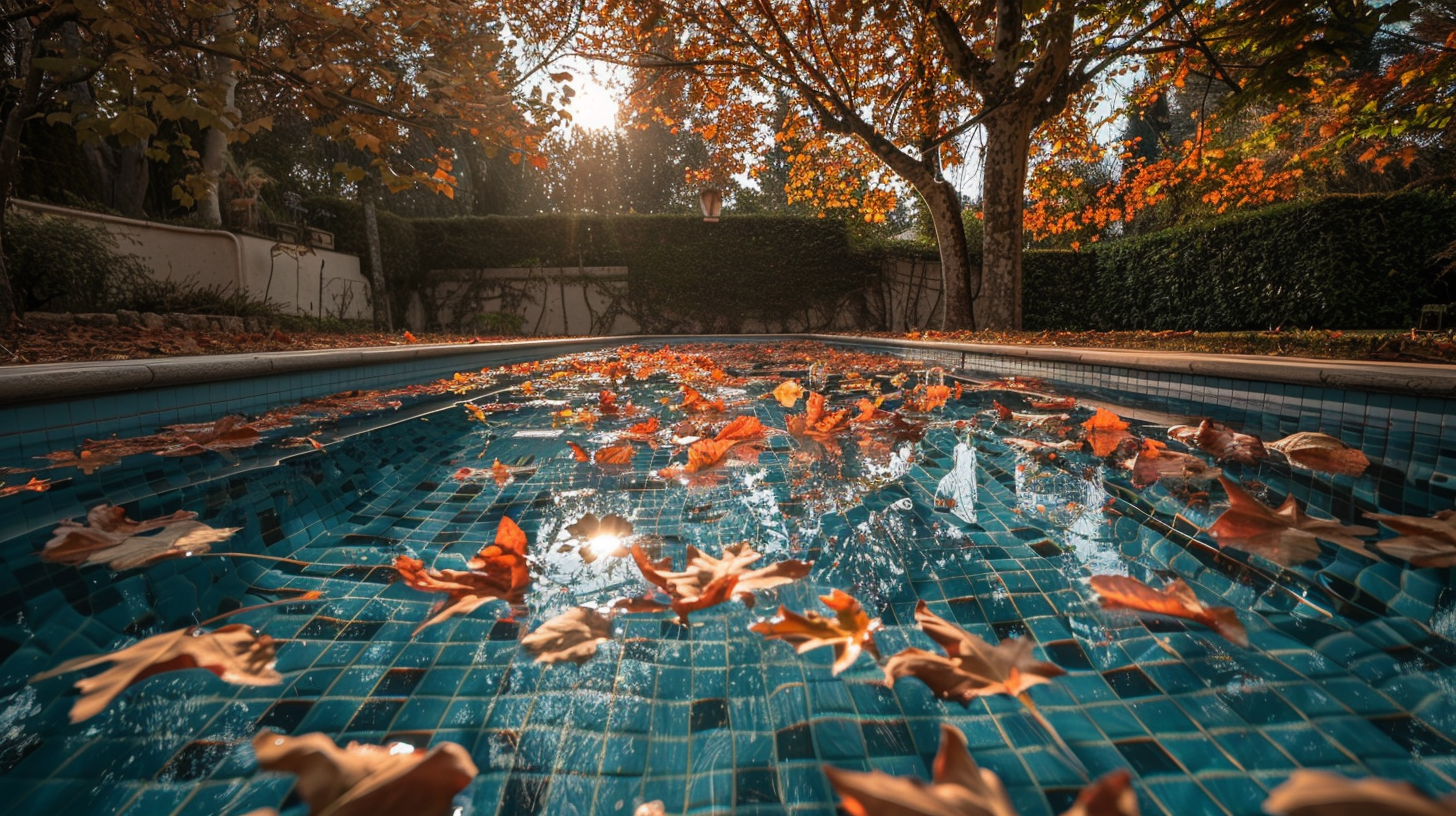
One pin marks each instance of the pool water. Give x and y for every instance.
(1349, 667)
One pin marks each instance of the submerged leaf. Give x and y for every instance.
(1425, 542)
(1176, 600)
(849, 631)
(110, 538)
(1153, 464)
(1220, 442)
(227, 433)
(1319, 793)
(573, 635)
(1285, 536)
(497, 572)
(34, 485)
(972, 667)
(709, 581)
(363, 780)
(235, 653)
(1321, 452)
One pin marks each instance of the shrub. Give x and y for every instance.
(61, 264)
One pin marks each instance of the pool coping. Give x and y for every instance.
(58, 381)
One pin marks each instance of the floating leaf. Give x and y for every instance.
(88, 462)
(1105, 431)
(1154, 463)
(1176, 599)
(1220, 442)
(788, 393)
(228, 433)
(1285, 536)
(34, 485)
(741, 429)
(927, 397)
(573, 635)
(615, 455)
(1425, 542)
(1055, 404)
(643, 429)
(1319, 793)
(364, 780)
(1321, 452)
(578, 452)
(972, 667)
(709, 581)
(235, 653)
(694, 401)
(110, 538)
(849, 631)
(497, 572)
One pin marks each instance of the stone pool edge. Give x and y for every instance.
(58, 381)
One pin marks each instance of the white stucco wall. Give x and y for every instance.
(290, 276)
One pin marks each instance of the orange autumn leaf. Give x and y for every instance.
(643, 428)
(475, 411)
(410, 338)
(615, 455)
(500, 473)
(694, 401)
(850, 631)
(741, 429)
(607, 402)
(1286, 536)
(110, 538)
(1176, 599)
(235, 653)
(497, 572)
(34, 485)
(360, 780)
(1321, 452)
(1054, 404)
(1104, 432)
(88, 462)
(578, 452)
(1424, 542)
(927, 397)
(227, 433)
(817, 420)
(971, 667)
(1320, 793)
(706, 453)
(709, 581)
(788, 393)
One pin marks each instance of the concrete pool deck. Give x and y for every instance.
(59, 381)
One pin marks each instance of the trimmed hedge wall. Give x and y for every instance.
(1339, 262)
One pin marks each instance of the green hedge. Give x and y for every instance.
(1347, 262)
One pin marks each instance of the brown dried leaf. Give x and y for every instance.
(972, 667)
(573, 635)
(364, 780)
(227, 433)
(1321, 452)
(616, 455)
(113, 539)
(1425, 542)
(497, 572)
(34, 485)
(849, 631)
(234, 653)
(1150, 467)
(1285, 536)
(958, 787)
(1318, 793)
(1176, 599)
(709, 581)
(1220, 442)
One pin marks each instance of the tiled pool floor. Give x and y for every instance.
(1350, 667)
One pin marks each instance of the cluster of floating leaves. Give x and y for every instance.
(710, 432)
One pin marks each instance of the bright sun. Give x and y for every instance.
(594, 107)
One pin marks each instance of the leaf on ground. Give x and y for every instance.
(497, 572)
(573, 635)
(1321, 452)
(110, 538)
(1425, 542)
(1220, 442)
(709, 581)
(1285, 536)
(364, 780)
(1320, 793)
(235, 653)
(971, 667)
(1176, 599)
(849, 631)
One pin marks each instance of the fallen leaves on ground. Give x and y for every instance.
(109, 537)
(849, 632)
(497, 572)
(971, 667)
(1220, 442)
(235, 653)
(1104, 432)
(1176, 599)
(1425, 542)
(709, 581)
(1321, 452)
(1320, 793)
(959, 787)
(573, 635)
(1285, 536)
(364, 780)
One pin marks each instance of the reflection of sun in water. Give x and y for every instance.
(604, 544)
(594, 107)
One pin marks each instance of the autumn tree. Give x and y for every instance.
(369, 76)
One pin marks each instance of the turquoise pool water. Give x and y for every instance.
(1349, 667)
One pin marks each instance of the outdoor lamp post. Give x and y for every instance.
(712, 201)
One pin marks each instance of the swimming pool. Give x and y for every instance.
(1348, 667)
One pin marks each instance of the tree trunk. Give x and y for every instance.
(958, 287)
(1003, 192)
(215, 140)
(382, 318)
